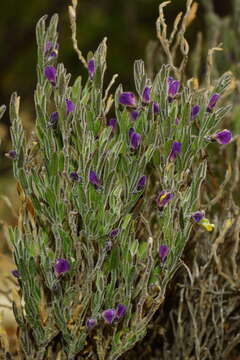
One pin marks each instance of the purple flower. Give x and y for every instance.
(91, 323)
(130, 132)
(163, 199)
(141, 183)
(61, 266)
(135, 138)
(176, 149)
(177, 121)
(146, 94)
(198, 216)
(109, 315)
(134, 114)
(11, 154)
(113, 124)
(50, 52)
(15, 273)
(155, 107)
(163, 252)
(223, 137)
(91, 68)
(48, 47)
(51, 74)
(121, 309)
(195, 110)
(75, 177)
(113, 233)
(94, 180)
(53, 119)
(127, 99)
(173, 87)
(70, 106)
(212, 102)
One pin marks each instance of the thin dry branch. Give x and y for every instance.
(210, 64)
(72, 18)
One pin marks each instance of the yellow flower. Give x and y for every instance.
(206, 224)
(162, 197)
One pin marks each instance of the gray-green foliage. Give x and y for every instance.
(60, 218)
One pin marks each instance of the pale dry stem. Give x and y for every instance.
(72, 18)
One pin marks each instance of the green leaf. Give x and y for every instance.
(126, 221)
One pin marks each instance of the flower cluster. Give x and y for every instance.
(128, 99)
(194, 112)
(11, 154)
(200, 219)
(62, 266)
(51, 51)
(176, 149)
(223, 137)
(146, 95)
(109, 316)
(163, 199)
(94, 180)
(163, 252)
(173, 87)
(212, 102)
(135, 139)
(51, 74)
(91, 68)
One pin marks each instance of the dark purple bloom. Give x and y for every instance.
(134, 114)
(16, 274)
(91, 323)
(53, 119)
(146, 94)
(61, 266)
(155, 107)
(121, 309)
(11, 154)
(94, 180)
(109, 315)
(173, 87)
(198, 216)
(70, 106)
(212, 102)
(177, 121)
(113, 123)
(176, 149)
(128, 99)
(51, 74)
(195, 110)
(163, 252)
(163, 199)
(223, 137)
(130, 132)
(113, 233)
(141, 183)
(91, 68)
(135, 138)
(75, 177)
